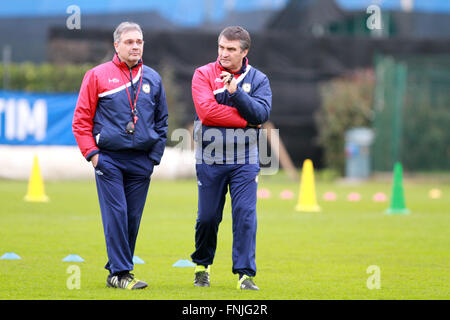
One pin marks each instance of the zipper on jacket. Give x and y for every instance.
(131, 83)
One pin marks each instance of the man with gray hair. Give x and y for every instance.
(232, 99)
(120, 125)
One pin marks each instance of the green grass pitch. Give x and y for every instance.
(299, 255)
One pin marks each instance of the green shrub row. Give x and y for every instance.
(43, 77)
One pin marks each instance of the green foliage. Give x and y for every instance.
(346, 103)
(326, 175)
(43, 77)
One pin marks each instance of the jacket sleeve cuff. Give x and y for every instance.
(236, 93)
(92, 153)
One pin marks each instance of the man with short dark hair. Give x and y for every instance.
(120, 125)
(232, 100)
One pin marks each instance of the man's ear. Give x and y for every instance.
(245, 52)
(116, 44)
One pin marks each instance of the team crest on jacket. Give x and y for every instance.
(246, 87)
(146, 88)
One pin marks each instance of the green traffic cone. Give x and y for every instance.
(397, 197)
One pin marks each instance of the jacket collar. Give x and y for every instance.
(121, 64)
(242, 70)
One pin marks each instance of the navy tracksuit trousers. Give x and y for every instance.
(213, 182)
(123, 179)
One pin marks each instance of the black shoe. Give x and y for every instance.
(126, 281)
(201, 276)
(246, 283)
